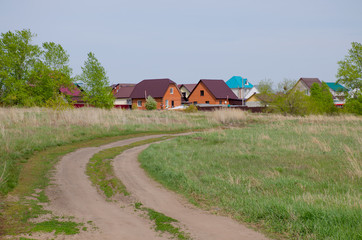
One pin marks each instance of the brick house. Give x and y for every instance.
(164, 91)
(123, 97)
(304, 84)
(209, 91)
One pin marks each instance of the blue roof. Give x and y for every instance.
(237, 82)
(336, 87)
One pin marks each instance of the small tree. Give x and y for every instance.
(151, 103)
(97, 90)
(321, 99)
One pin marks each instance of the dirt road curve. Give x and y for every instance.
(200, 224)
(73, 195)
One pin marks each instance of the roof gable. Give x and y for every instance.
(237, 82)
(189, 87)
(309, 81)
(218, 88)
(155, 88)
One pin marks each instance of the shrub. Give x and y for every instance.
(151, 103)
(190, 109)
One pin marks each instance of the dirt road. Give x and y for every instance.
(73, 195)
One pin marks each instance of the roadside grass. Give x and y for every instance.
(24, 132)
(24, 203)
(162, 222)
(101, 173)
(295, 178)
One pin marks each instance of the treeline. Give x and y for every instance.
(286, 100)
(32, 75)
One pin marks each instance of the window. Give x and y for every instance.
(184, 94)
(139, 103)
(166, 103)
(171, 90)
(202, 93)
(195, 102)
(172, 103)
(220, 102)
(207, 102)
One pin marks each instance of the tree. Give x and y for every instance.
(350, 69)
(97, 90)
(293, 102)
(265, 86)
(17, 59)
(321, 99)
(151, 103)
(286, 85)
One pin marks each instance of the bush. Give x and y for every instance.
(354, 105)
(190, 109)
(151, 103)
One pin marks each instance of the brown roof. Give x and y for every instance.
(189, 87)
(155, 88)
(219, 89)
(124, 92)
(309, 81)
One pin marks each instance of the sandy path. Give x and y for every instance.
(200, 224)
(74, 195)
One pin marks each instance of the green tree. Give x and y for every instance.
(350, 69)
(151, 103)
(293, 103)
(321, 99)
(17, 58)
(354, 105)
(97, 90)
(265, 86)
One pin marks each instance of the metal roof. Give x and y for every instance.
(155, 88)
(336, 87)
(237, 82)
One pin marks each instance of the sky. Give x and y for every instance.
(191, 40)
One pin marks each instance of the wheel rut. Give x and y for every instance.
(72, 194)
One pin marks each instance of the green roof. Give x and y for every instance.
(336, 87)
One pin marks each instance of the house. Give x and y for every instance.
(337, 90)
(208, 91)
(115, 87)
(164, 91)
(304, 84)
(258, 100)
(185, 90)
(75, 94)
(240, 86)
(252, 91)
(123, 97)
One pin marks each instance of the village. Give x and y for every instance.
(206, 94)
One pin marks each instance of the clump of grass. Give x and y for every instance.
(59, 227)
(101, 173)
(295, 177)
(162, 222)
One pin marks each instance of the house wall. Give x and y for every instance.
(120, 101)
(161, 102)
(195, 96)
(184, 90)
(176, 97)
(239, 92)
(253, 99)
(300, 86)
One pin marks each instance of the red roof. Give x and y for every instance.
(75, 91)
(309, 81)
(219, 89)
(124, 92)
(155, 88)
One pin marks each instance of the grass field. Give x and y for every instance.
(292, 177)
(26, 131)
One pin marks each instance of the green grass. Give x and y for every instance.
(298, 179)
(162, 222)
(60, 227)
(16, 212)
(24, 132)
(100, 170)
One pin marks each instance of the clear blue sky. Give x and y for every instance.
(193, 39)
